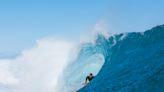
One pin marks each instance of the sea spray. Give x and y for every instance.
(38, 68)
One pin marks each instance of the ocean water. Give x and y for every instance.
(125, 62)
(134, 62)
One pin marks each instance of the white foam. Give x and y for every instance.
(38, 68)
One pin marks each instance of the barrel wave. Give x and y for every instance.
(134, 62)
(126, 62)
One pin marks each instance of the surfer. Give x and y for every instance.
(88, 78)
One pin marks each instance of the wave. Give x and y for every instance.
(123, 62)
(134, 62)
(126, 62)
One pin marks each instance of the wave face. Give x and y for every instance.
(130, 62)
(134, 62)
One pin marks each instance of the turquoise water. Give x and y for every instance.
(134, 62)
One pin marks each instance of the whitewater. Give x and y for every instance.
(37, 69)
(125, 62)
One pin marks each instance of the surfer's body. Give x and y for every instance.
(88, 78)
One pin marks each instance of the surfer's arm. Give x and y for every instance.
(85, 83)
(86, 80)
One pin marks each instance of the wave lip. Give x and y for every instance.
(134, 62)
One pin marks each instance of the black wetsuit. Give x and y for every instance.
(89, 78)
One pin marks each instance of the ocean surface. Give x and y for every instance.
(125, 62)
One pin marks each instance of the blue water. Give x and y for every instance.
(126, 62)
(133, 62)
